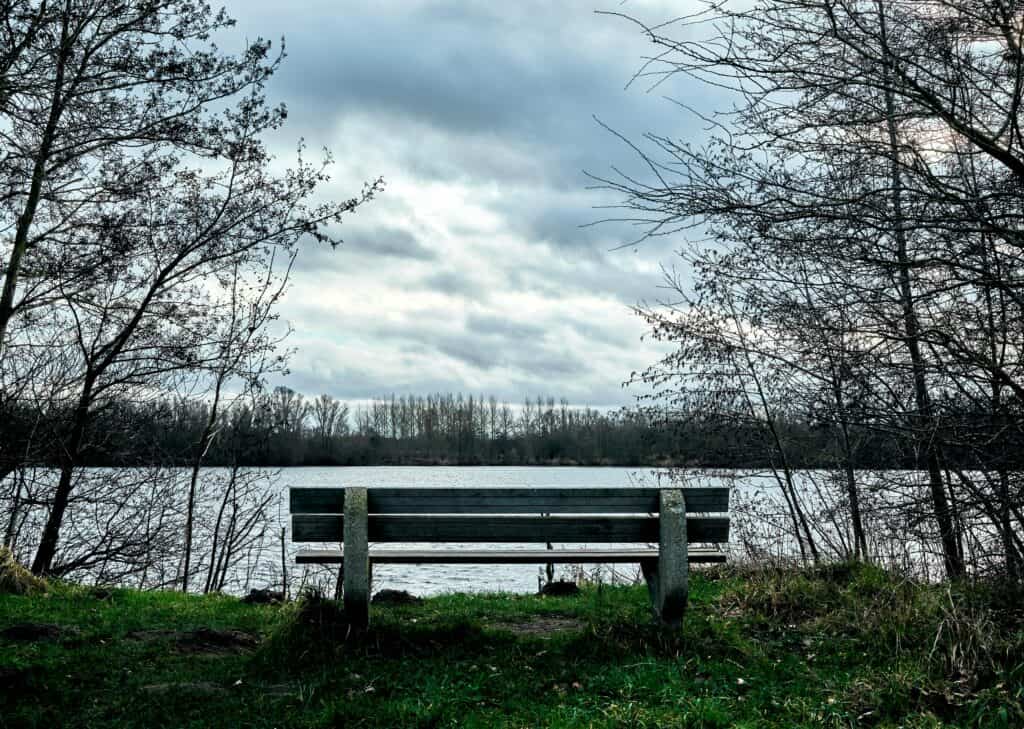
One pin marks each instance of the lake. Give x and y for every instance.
(145, 503)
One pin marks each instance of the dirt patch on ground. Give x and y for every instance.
(208, 688)
(13, 678)
(539, 626)
(279, 691)
(199, 688)
(263, 597)
(395, 597)
(560, 589)
(36, 632)
(201, 640)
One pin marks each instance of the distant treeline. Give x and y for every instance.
(285, 428)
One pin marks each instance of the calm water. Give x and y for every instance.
(433, 579)
(761, 528)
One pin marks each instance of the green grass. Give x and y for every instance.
(842, 647)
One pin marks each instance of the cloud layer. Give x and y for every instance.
(474, 271)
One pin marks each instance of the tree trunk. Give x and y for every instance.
(800, 525)
(39, 165)
(204, 446)
(860, 544)
(12, 521)
(43, 562)
(925, 417)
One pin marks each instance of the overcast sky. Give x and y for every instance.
(471, 273)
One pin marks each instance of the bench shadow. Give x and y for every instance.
(320, 634)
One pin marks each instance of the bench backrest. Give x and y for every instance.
(588, 515)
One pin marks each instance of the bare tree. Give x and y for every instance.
(87, 83)
(328, 414)
(841, 178)
(146, 316)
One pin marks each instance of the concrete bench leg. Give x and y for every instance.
(356, 559)
(667, 576)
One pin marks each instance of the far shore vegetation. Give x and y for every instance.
(282, 428)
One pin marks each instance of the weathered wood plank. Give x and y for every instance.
(434, 528)
(316, 500)
(503, 556)
(506, 500)
(512, 501)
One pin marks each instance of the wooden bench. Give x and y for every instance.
(670, 518)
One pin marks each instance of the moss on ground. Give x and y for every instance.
(846, 646)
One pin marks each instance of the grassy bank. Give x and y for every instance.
(847, 646)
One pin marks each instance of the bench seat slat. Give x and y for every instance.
(389, 500)
(441, 528)
(508, 556)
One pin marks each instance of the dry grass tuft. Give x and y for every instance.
(15, 579)
(974, 640)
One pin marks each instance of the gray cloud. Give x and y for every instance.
(474, 271)
(494, 325)
(455, 283)
(397, 243)
(454, 65)
(376, 244)
(541, 359)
